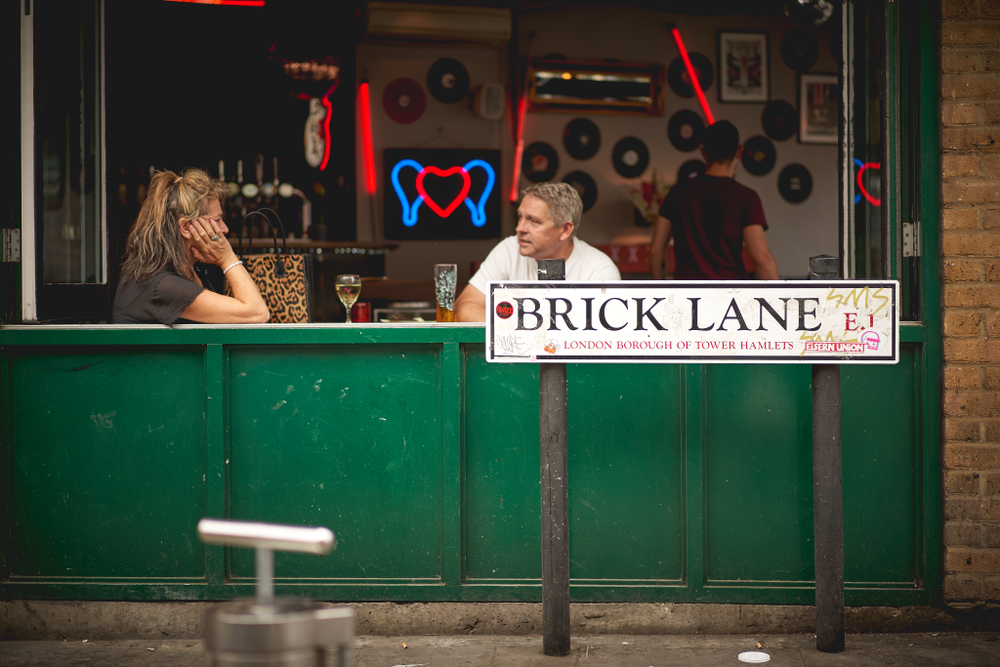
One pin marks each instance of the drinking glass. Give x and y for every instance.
(348, 290)
(445, 278)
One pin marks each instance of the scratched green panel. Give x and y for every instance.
(108, 453)
(625, 463)
(625, 433)
(347, 437)
(502, 495)
(758, 473)
(881, 452)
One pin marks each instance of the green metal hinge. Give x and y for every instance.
(12, 245)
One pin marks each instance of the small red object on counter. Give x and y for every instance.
(361, 312)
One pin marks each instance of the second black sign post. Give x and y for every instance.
(554, 426)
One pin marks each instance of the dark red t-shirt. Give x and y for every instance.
(707, 215)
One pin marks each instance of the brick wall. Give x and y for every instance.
(970, 246)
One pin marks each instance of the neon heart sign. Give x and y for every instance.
(862, 166)
(443, 209)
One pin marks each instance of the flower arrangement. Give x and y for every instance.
(648, 197)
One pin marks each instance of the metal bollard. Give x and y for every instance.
(269, 632)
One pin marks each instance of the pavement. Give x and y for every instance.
(799, 650)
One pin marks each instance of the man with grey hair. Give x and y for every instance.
(547, 221)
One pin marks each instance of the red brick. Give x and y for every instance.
(962, 482)
(992, 432)
(991, 320)
(959, 9)
(967, 191)
(966, 559)
(993, 378)
(991, 216)
(991, 271)
(972, 404)
(970, 244)
(962, 60)
(989, 9)
(972, 139)
(991, 535)
(960, 533)
(991, 61)
(972, 457)
(959, 218)
(962, 113)
(969, 508)
(972, 296)
(959, 166)
(971, 33)
(961, 271)
(961, 430)
(959, 588)
(962, 323)
(977, 86)
(993, 484)
(961, 377)
(992, 115)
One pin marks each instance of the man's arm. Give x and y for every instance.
(470, 306)
(763, 261)
(658, 247)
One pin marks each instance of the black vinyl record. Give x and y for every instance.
(540, 162)
(404, 100)
(799, 49)
(780, 120)
(759, 155)
(680, 82)
(684, 130)
(690, 169)
(630, 157)
(581, 138)
(585, 185)
(448, 81)
(795, 183)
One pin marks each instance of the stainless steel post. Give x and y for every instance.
(828, 490)
(553, 423)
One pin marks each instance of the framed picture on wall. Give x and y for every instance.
(744, 66)
(818, 119)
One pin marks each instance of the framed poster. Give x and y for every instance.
(819, 121)
(744, 67)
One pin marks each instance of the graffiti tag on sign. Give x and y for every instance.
(843, 322)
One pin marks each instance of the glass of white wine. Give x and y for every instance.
(348, 290)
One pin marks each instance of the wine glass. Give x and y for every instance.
(348, 290)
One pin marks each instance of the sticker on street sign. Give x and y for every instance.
(836, 322)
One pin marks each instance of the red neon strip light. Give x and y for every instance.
(326, 132)
(694, 79)
(366, 138)
(519, 152)
(861, 185)
(234, 3)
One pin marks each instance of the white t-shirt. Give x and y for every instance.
(505, 262)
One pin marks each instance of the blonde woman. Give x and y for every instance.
(180, 223)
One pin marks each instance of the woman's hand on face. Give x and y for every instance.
(209, 243)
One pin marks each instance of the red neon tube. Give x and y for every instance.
(694, 78)
(366, 138)
(519, 151)
(234, 3)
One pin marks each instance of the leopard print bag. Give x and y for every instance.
(285, 281)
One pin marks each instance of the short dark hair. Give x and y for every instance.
(720, 141)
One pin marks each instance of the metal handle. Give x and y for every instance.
(276, 537)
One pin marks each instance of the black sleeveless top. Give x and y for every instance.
(162, 299)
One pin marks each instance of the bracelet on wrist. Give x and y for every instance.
(236, 263)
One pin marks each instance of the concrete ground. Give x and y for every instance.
(863, 650)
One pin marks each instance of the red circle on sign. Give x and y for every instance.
(504, 310)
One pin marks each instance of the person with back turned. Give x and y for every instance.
(711, 217)
(547, 221)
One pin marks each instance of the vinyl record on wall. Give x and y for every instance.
(795, 183)
(799, 49)
(680, 82)
(758, 155)
(690, 169)
(585, 185)
(581, 138)
(780, 120)
(404, 100)
(540, 162)
(448, 81)
(684, 130)
(630, 157)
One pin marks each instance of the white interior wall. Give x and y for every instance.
(797, 231)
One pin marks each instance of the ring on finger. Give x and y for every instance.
(213, 237)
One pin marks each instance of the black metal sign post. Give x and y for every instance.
(553, 423)
(828, 489)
